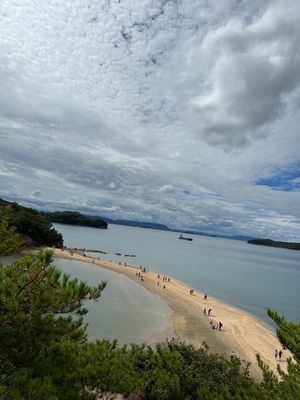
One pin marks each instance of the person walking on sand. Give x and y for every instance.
(204, 311)
(220, 326)
(205, 296)
(276, 354)
(280, 355)
(209, 311)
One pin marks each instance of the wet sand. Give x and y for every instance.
(241, 333)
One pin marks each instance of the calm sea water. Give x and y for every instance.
(250, 277)
(125, 310)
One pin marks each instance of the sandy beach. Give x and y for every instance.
(241, 333)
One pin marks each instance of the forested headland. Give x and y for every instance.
(75, 218)
(25, 227)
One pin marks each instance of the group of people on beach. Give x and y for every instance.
(208, 312)
(214, 325)
(278, 355)
(164, 279)
(217, 325)
(138, 274)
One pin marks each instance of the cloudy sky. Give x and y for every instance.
(180, 112)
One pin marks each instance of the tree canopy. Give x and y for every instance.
(288, 333)
(10, 240)
(33, 228)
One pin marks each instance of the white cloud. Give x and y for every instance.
(111, 185)
(295, 181)
(246, 71)
(166, 189)
(95, 99)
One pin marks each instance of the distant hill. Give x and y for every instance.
(274, 243)
(148, 225)
(35, 229)
(162, 227)
(241, 237)
(75, 218)
(78, 219)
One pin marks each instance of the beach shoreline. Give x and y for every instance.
(242, 333)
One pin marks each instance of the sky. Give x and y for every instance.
(185, 113)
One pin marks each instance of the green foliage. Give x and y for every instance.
(288, 386)
(10, 241)
(75, 218)
(37, 302)
(45, 355)
(288, 333)
(178, 371)
(33, 227)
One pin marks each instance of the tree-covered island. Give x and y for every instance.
(274, 243)
(75, 218)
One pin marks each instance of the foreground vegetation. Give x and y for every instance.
(25, 227)
(45, 355)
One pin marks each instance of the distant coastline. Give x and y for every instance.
(274, 243)
(162, 227)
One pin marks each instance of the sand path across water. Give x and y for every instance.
(241, 333)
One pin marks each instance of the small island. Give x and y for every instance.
(274, 243)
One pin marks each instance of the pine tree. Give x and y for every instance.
(41, 323)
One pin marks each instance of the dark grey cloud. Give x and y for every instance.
(36, 193)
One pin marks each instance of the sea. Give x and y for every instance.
(248, 276)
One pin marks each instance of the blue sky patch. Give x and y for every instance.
(285, 180)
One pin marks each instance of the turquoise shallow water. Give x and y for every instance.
(247, 276)
(125, 310)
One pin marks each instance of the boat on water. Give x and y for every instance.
(184, 238)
